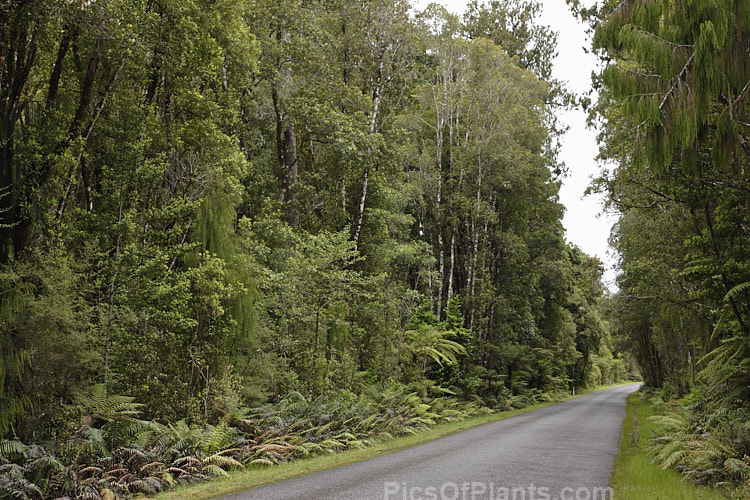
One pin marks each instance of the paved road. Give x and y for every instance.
(561, 452)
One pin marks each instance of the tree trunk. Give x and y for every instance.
(439, 203)
(452, 269)
(17, 57)
(441, 245)
(286, 138)
(87, 93)
(291, 169)
(376, 102)
(54, 79)
(286, 150)
(475, 237)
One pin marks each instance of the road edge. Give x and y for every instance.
(250, 478)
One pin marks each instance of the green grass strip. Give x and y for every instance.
(635, 476)
(257, 475)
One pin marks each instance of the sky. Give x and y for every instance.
(586, 226)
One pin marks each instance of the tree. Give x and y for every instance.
(510, 25)
(679, 78)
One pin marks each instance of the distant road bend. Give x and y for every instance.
(562, 452)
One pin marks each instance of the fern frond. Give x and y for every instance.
(734, 466)
(178, 470)
(95, 437)
(217, 437)
(673, 422)
(109, 407)
(214, 470)
(90, 470)
(14, 450)
(12, 471)
(104, 494)
(186, 461)
(151, 466)
(736, 290)
(673, 459)
(21, 488)
(221, 461)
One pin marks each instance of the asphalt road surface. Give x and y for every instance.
(561, 452)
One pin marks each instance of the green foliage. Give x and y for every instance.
(707, 448)
(165, 456)
(669, 82)
(285, 228)
(674, 102)
(428, 342)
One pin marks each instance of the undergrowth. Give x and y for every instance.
(116, 455)
(709, 445)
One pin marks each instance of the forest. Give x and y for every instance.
(674, 120)
(243, 232)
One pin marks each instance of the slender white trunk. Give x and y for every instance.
(376, 98)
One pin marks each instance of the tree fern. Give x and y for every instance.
(96, 440)
(108, 407)
(427, 341)
(727, 370)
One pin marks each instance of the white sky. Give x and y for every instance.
(585, 225)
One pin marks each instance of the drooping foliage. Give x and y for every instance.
(674, 111)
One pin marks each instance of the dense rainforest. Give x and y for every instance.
(674, 115)
(226, 222)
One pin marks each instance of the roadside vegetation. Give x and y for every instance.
(256, 475)
(241, 233)
(643, 468)
(125, 456)
(673, 110)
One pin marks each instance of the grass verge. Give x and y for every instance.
(258, 475)
(635, 476)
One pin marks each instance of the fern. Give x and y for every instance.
(262, 461)
(19, 488)
(94, 471)
(738, 467)
(14, 450)
(214, 470)
(187, 462)
(45, 471)
(727, 370)
(736, 290)
(90, 492)
(706, 457)
(220, 460)
(108, 407)
(217, 438)
(12, 471)
(95, 438)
